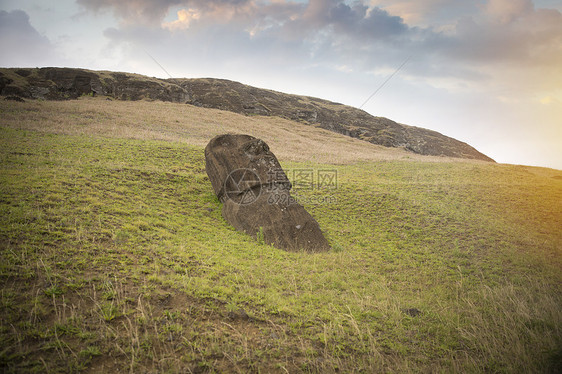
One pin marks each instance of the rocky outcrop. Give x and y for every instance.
(71, 83)
(255, 193)
(127, 87)
(66, 83)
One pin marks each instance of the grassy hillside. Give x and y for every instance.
(114, 256)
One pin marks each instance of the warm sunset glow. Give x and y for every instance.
(185, 17)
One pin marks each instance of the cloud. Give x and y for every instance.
(362, 21)
(517, 46)
(358, 20)
(494, 43)
(147, 12)
(428, 13)
(321, 32)
(21, 44)
(505, 11)
(152, 12)
(185, 17)
(513, 33)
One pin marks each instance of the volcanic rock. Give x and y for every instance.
(249, 181)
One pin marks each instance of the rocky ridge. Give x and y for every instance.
(70, 83)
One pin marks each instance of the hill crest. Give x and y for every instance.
(69, 83)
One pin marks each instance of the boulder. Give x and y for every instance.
(255, 192)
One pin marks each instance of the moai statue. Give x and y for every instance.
(249, 181)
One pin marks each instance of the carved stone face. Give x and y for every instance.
(247, 178)
(255, 148)
(226, 153)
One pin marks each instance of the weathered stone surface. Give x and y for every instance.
(226, 153)
(129, 87)
(72, 83)
(249, 181)
(283, 223)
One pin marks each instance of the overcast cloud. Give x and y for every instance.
(16, 31)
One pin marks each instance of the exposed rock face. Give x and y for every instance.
(249, 181)
(126, 87)
(65, 83)
(72, 83)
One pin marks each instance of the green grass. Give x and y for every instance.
(115, 257)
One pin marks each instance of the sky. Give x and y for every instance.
(486, 72)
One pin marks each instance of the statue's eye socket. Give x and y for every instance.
(256, 148)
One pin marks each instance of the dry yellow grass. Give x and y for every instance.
(289, 140)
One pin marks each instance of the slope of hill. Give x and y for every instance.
(114, 256)
(63, 83)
